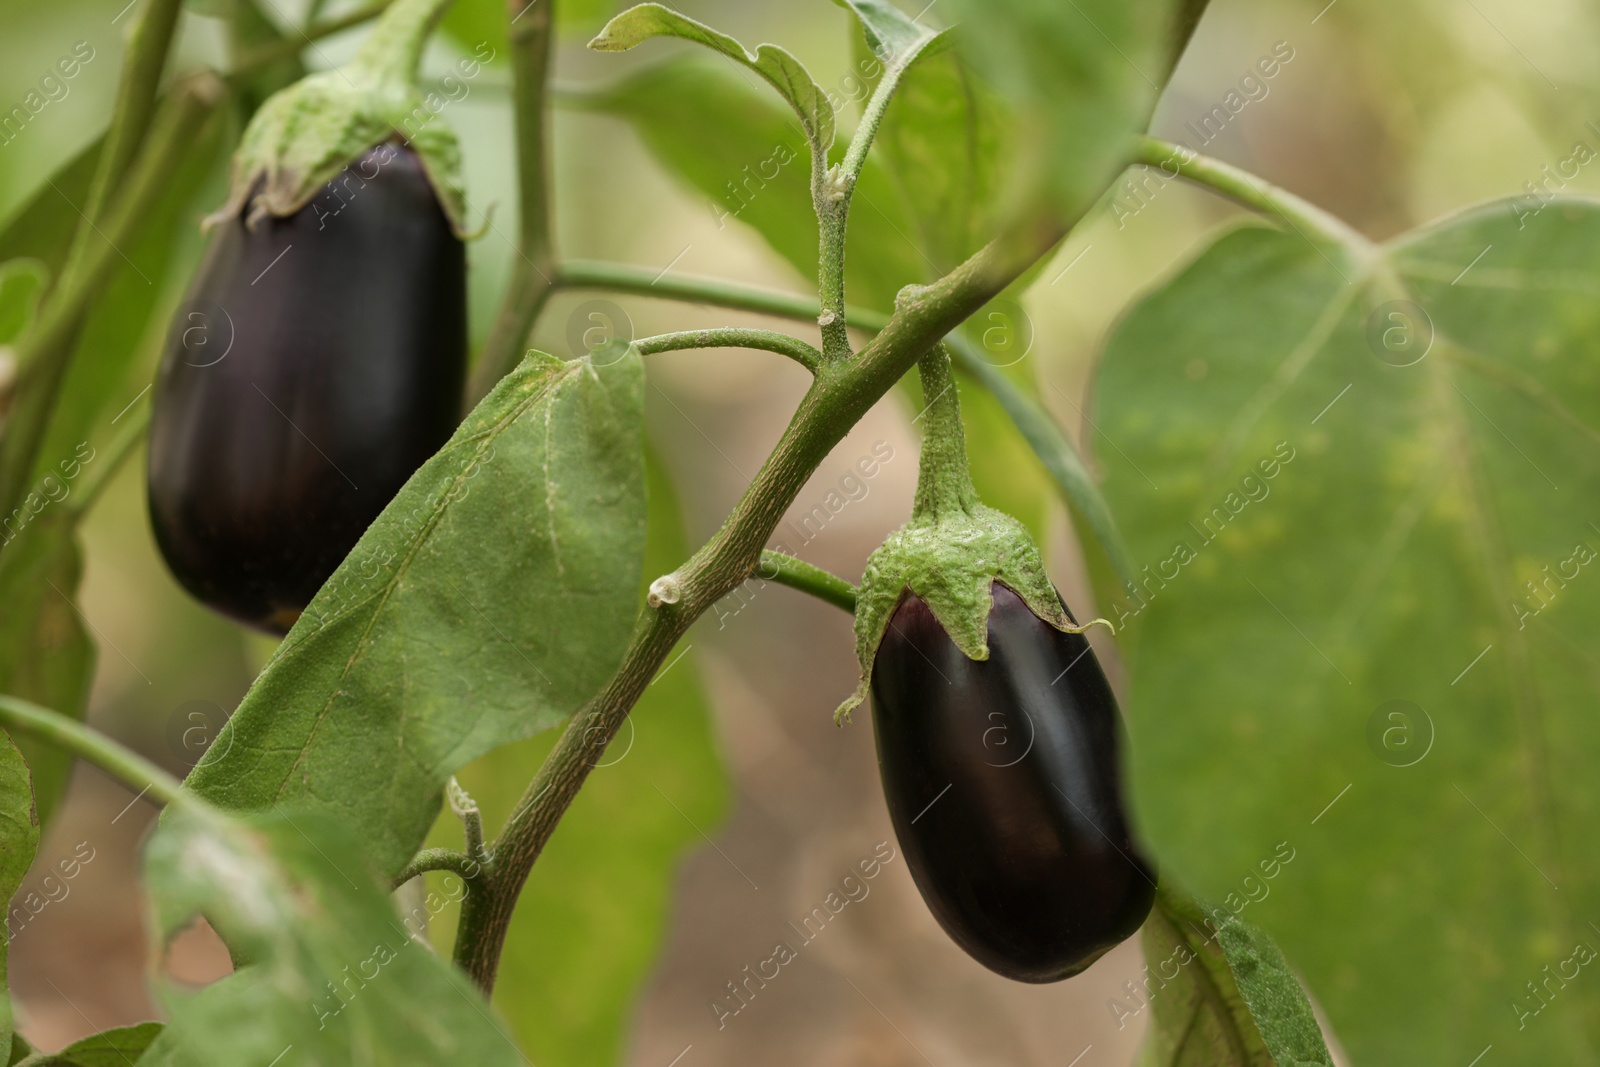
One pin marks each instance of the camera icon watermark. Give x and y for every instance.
(193, 727)
(600, 330)
(202, 333)
(1399, 332)
(1006, 333)
(1399, 733)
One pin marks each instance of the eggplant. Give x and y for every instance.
(1003, 784)
(318, 361)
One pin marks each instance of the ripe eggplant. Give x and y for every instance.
(1003, 785)
(318, 361)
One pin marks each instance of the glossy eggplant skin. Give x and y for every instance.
(318, 361)
(1003, 785)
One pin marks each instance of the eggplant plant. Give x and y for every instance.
(1334, 499)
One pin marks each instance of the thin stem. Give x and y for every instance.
(534, 269)
(466, 809)
(46, 352)
(258, 59)
(641, 281)
(840, 396)
(1037, 426)
(124, 444)
(734, 337)
(55, 729)
(1239, 185)
(146, 57)
(807, 578)
(944, 483)
(438, 859)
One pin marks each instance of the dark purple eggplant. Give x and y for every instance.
(316, 364)
(1003, 785)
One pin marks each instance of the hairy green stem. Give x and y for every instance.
(841, 394)
(734, 337)
(438, 859)
(137, 92)
(1237, 184)
(127, 766)
(534, 269)
(259, 59)
(1037, 426)
(944, 483)
(807, 578)
(46, 351)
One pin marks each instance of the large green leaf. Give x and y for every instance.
(1367, 625)
(334, 978)
(781, 70)
(1083, 76)
(109, 1048)
(1220, 992)
(491, 598)
(593, 915)
(45, 654)
(19, 840)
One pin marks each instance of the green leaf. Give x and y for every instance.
(781, 70)
(1221, 993)
(594, 914)
(715, 132)
(1366, 620)
(42, 226)
(333, 972)
(889, 33)
(45, 654)
(20, 1050)
(491, 598)
(1082, 76)
(947, 141)
(109, 1048)
(19, 840)
(22, 283)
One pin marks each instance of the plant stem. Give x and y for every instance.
(132, 769)
(734, 337)
(807, 578)
(438, 859)
(146, 57)
(1037, 426)
(1239, 185)
(641, 281)
(841, 394)
(124, 444)
(259, 59)
(944, 483)
(46, 352)
(534, 269)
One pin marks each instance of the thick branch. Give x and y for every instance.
(841, 394)
(534, 268)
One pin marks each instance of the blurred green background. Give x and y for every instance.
(737, 805)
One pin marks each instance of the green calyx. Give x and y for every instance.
(306, 135)
(953, 549)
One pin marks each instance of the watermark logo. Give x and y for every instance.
(1400, 733)
(202, 333)
(193, 727)
(1399, 332)
(593, 326)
